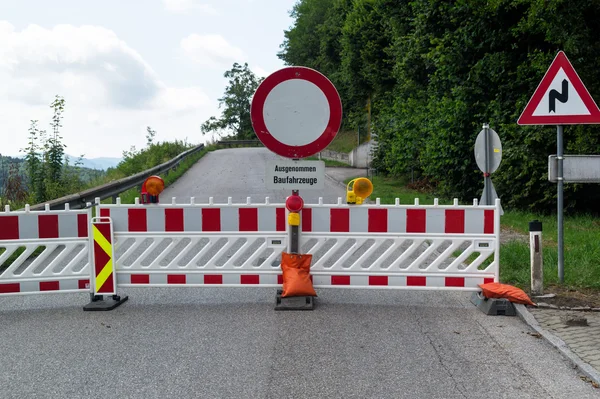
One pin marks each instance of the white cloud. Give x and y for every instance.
(188, 5)
(79, 58)
(111, 92)
(260, 72)
(211, 50)
(181, 99)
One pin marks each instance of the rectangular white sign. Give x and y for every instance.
(295, 175)
(576, 168)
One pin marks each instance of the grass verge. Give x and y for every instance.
(328, 162)
(344, 141)
(581, 240)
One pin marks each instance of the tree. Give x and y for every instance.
(236, 102)
(151, 133)
(56, 150)
(13, 186)
(34, 166)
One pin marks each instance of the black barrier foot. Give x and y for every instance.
(294, 302)
(493, 306)
(98, 303)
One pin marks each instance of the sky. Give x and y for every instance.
(123, 65)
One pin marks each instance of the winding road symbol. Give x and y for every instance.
(554, 95)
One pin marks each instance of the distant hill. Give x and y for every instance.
(101, 163)
(90, 170)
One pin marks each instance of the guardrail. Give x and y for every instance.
(230, 143)
(81, 199)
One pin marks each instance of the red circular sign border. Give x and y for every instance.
(335, 112)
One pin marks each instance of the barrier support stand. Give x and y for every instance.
(294, 302)
(103, 275)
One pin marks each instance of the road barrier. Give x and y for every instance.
(44, 251)
(424, 247)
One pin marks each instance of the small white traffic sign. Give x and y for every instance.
(296, 112)
(295, 175)
(493, 151)
(561, 98)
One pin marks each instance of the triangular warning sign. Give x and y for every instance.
(561, 98)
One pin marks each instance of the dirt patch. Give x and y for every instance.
(570, 297)
(507, 234)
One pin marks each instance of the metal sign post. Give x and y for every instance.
(560, 99)
(559, 200)
(488, 155)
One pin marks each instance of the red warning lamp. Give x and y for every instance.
(151, 188)
(294, 203)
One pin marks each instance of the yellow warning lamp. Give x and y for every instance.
(358, 190)
(151, 188)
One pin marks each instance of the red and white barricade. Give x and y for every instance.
(367, 246)
(431, 247)
(44, 251)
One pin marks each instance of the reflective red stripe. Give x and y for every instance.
(416, 281)
(83, 283)
(49, 286)
(415, 220)
(137, 219)
(306, 216)
(280, 219)
(248, 219)
(378, 280)
(9, 229)
(213, 279)
(211, 219)
(488, 221)
(82, 225)
(455, 221)
(140, 279)
(175, 278)
(48, 226)
(455, 281)
(10, 288)
(250, 279)
(340, 280)
(378, 220)
(174, 219)
(339, 220)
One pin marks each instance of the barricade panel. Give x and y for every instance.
(368, 246)
(44, 251)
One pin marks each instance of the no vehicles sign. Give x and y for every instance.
(295, 175)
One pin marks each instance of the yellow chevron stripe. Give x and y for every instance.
(107, 270)
(102, 241)
(104, 275)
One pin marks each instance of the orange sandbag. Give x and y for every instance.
(296, 275)
(513, 294)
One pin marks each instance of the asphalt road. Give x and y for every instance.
(240, 173)
(230, 343)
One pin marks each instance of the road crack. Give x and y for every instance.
(458, 386)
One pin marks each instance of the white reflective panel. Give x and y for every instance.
(296, 112)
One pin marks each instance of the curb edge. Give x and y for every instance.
(558, 343)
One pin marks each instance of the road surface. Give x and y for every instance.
(230, 343)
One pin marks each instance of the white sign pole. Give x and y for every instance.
(560, 183)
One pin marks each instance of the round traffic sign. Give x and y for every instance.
(493, 151)
(296, 112)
